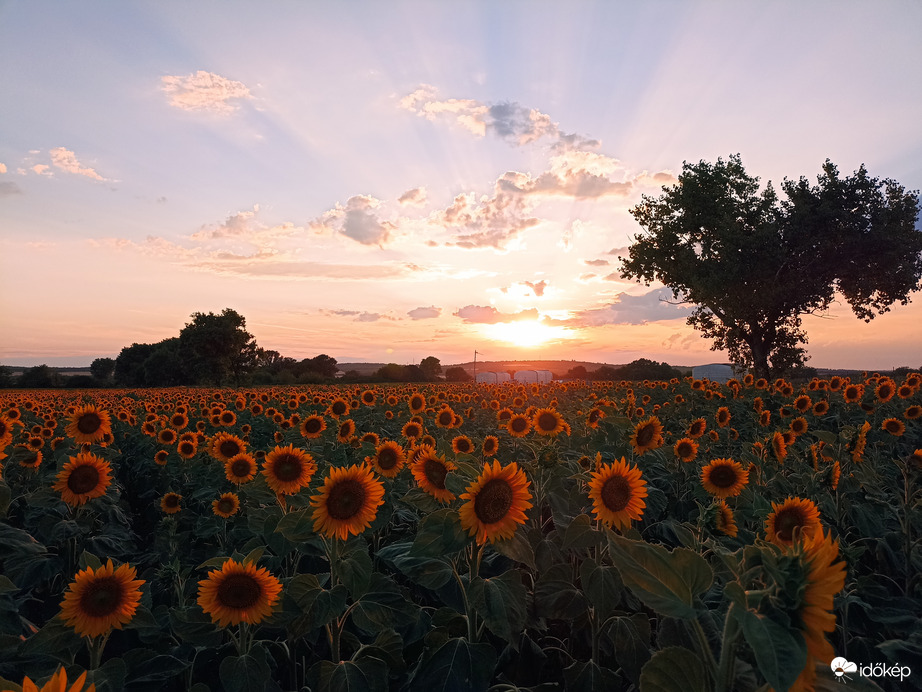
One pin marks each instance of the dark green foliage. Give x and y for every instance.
(753, 262)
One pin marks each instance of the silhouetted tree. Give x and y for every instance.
(217, 348)
(129, 365)
(754, 263)
(102, 368)
(431, 367)
(41, 376)
(323, 365)
(457, 374)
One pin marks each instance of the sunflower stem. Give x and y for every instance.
(96, 645)
(725, 669)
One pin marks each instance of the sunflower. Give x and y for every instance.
(913, 412)
(371, 438)
(368, 397)
(187, 448)
(779, 447)
(594, 416)
(445, 418)
(787, 517)
(496, 502)
(338, 407)
(312, 427)
(225, 446)
(238, 592)
(240, 468)
(724, 478)
(348, 502)
(894, 426)
(725, 521)
(226, 506)
(171, 503)
(88, 424)
(490, 445)
(686, 449)
(547, 422)
(518, 425)
(648, 435)
(58, 683)
(388, 459)
(83, 478)
(820, 408)
(802, 403)
(799, 425)
(722, 416)
(430, 470)
(412, 430)
(617, 491)
(823, 578)
(167, 436)
(853, 393)
(100, 599)
(288, 469)
(462, 445)
(885, 390)
(161, 457)
(697, 428)
(916, 459)
(417, 403)
(346, 431)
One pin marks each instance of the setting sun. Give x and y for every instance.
(525, 333)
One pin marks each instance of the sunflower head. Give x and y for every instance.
(462, 444)
(224, 446)
(547, 422)
(84, 477)
(648, 435)
(617, 491)
(686, 449)
(496, 503)
(100, 599)
(171, 503)
(288, 469)
(388, 459)
(348, 502)
(240, 468)
(724, 520)
(792, 518)
(237, 593)
(312, 427)
(430, 471)
(88, 424)
(724, 478)
(518, 425)
(226, 506)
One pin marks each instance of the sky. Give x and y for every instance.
(387, 181)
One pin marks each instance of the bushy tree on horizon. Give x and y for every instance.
(753, 262)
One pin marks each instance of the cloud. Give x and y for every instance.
(204, 91)
(596, 263)
(360, 316)
(355, 220)
(508, 120)
(619, 251)
(2, 168)
(8, 188)
(425, 313)
(41, 169)
(487, 314)
(67, 161)
(416, 197)
(653, 306)
(491, 221)
(680, 342)
(537, 288)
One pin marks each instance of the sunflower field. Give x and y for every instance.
(666, 536)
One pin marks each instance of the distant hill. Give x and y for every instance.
(558, 367)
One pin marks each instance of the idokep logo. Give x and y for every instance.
(844, 669)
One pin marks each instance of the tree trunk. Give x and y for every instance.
(759, 350)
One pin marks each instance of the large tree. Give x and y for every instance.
(753, 262)
(218, 347)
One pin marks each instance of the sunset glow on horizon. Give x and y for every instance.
(384, 182)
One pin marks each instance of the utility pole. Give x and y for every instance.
(475, 367)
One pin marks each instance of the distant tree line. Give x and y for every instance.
(640, 369)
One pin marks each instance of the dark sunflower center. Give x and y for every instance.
(312, 425)
(645, 435)
(518, 424)
(171, 501)
(83, 479)
(228, 417)
(616, 493)
(493, 501)
(239, 591)
(225, 505)
(723, 476)
(593, 416)
(241, 468)
(885, 391)
(186, 447)
(697, 429)
(416, 403)
(685, 449)
(445, 418)
(338, 408)
(387, 458)
(786, 521)
(102, 597)
(345, 500)
(893, 426)
(547, 421)
(89, 423)
(489, 446)
(435, 473)
(412, 431)
(229, 448)
(345, 430)
(287, 467)
(178, 420)
(463, 445)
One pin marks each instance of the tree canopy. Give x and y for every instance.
(753, 262)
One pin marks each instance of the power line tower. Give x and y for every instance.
(475, 366)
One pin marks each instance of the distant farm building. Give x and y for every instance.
(715, 372)
(492, 377)
(533, 376)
